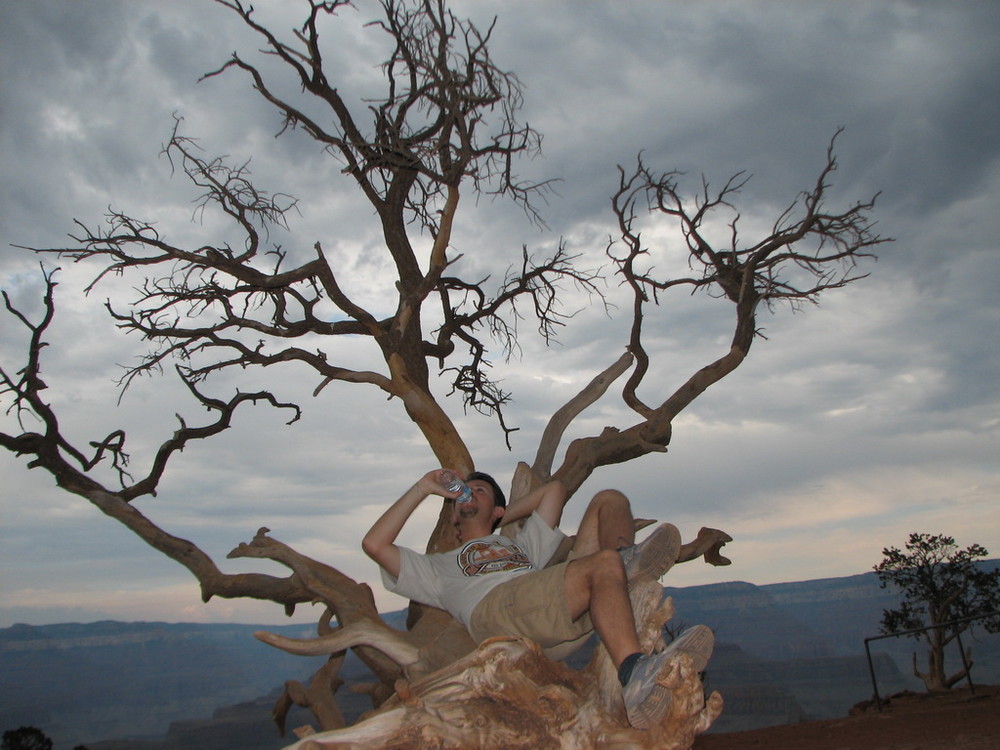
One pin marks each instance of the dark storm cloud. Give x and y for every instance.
(856, 422)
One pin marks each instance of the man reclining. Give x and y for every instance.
(500, 586)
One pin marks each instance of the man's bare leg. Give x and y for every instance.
(596, 583)
(599, 580)
(607, 524)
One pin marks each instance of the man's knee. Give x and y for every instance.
(611, 500)
(605, 563)
(592, 577)
(608, 567)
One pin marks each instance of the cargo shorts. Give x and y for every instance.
(532, 606)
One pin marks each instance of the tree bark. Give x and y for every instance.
(506, 694)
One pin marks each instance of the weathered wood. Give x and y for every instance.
(317, 696)
(707, 544)
(423, 671)
(564, 416)
(507, 694)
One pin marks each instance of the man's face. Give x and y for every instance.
(477, 514)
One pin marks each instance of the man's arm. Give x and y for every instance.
(549, 500)
(380, 541)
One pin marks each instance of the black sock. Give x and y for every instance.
(626, 667)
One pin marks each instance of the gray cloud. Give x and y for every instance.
(856, 422)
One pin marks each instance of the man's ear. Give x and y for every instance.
(499, 512)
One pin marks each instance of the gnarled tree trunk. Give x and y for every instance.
(437, 689)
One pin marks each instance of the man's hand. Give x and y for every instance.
(380, 541)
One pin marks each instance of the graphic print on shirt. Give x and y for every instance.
(484, 556)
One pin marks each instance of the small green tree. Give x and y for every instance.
(941, 584)
(25, 738)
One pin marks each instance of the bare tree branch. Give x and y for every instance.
(811, 250)
(52, 451)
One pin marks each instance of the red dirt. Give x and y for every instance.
(955, 720)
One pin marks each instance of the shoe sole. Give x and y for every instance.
(697, 642)
(652, 710)
(659, 553)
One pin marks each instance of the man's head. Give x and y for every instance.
(499, 500)
(488, 505)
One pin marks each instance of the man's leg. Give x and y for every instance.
(607, 524)
(597, 583)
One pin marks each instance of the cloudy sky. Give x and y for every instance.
(856, 422)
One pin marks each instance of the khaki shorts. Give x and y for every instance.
(532, 606)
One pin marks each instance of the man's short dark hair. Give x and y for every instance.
(499, 499)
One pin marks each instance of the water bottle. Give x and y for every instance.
(453, 483)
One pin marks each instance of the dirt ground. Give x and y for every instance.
(956, 720)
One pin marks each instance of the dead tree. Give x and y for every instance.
(448, 122)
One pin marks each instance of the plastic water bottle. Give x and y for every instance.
(453, 483)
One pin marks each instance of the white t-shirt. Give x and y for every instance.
(456, 581)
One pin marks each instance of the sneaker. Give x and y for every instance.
(653, 556)
(646, 695)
